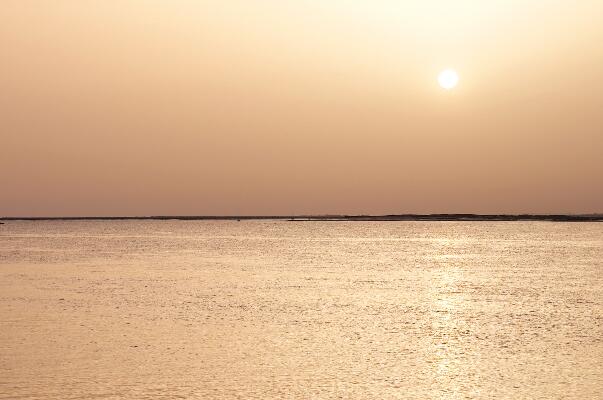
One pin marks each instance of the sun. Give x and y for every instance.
(448, 79)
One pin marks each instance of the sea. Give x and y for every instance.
(300, 310)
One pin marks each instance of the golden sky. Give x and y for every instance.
(146, 107)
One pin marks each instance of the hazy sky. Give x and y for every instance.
(125, 107)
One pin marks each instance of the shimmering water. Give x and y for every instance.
(276, 309)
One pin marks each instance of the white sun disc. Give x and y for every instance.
(448, 79)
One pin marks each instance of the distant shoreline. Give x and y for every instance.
(342, 218)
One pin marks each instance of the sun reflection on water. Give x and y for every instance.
(447, 303)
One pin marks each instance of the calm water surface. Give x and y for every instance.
(275, 309)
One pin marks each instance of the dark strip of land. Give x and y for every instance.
(351, 218)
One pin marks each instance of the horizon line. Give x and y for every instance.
(588, 217)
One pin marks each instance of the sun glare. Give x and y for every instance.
(448, 79)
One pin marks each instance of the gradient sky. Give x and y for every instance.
(125, 107)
